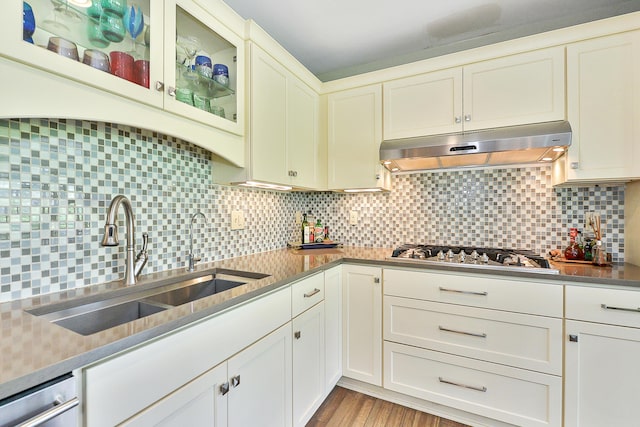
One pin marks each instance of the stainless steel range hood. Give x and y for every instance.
(541, 142)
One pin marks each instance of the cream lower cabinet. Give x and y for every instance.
(201, 402)
(308, 363)
(354, 137)
(362, 323)
(118, 388)
(603, 106)
(251, 388)
(333, 327)
(488, 345)
(602, 379)
(260, 381)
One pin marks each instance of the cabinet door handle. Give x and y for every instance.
(297, 335)
(159, 86)
(312, 293)
(473, 334)
(224, 388)
(467, 117)
(470, 387)
(235, 381)
(458, 119)
(611, 307)
(376, 280)
(457, 291)
(171, 91)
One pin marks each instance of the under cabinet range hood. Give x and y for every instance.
(541, 142)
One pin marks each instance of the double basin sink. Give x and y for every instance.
(91, 317)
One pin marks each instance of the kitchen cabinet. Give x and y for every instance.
(354, 137)
(283, 142)
(201, 402)
(603, 104)
(157, 369)
(511, 90)
(308, 363)
(65, 87)
(602, 343)
(333, 327)
(483, 344)
(362, 323)
(260, 380)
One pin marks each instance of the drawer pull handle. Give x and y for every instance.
(610, 307)
(473, 334)
(482, 294)
(312, 293)
(482, 389)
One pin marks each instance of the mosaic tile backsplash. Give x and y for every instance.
(57, 178)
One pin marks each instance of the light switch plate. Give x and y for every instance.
(353, 218)
(298, 217)
(237, 220)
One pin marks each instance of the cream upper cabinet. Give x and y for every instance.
(603, 106)
(512, 90)
(116, 88)
(354, 137)
(267, 120)
(428, 104)
(283, 132)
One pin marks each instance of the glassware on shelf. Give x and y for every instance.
(112, 26)
(61, 15)
(190, 45)
(134, 24)
(117, 7)
(28, 22)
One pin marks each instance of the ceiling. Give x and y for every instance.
(341, 38)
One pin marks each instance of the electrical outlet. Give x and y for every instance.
(298, 217)
(353, 218)
(237, 220)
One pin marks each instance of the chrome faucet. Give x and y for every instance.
(191, 257)
(110, 238)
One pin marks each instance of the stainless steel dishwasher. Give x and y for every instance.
(52, 404)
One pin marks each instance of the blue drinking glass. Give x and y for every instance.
(28, 22)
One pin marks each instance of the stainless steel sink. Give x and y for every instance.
(194, 292)
(87, 318)
(95, 321)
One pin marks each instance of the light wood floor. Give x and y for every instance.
(347, 408)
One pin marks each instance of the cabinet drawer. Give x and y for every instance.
(306, 293)
(507, 394)
(612, 306)
(123, 385)
(520, 340)
(496, 292)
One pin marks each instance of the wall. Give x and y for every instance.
(57, 178)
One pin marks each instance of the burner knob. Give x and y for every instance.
(475, 255)
(450, 254)
(441, 256)
(462, 256)
(484, 258)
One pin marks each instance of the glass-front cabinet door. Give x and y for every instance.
(171, 54)
(113, 45)
(204, 67)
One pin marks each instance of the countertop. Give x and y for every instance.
(34, 350)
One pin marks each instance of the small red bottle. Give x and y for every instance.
(573, 251)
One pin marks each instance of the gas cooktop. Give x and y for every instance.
(469, 256)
